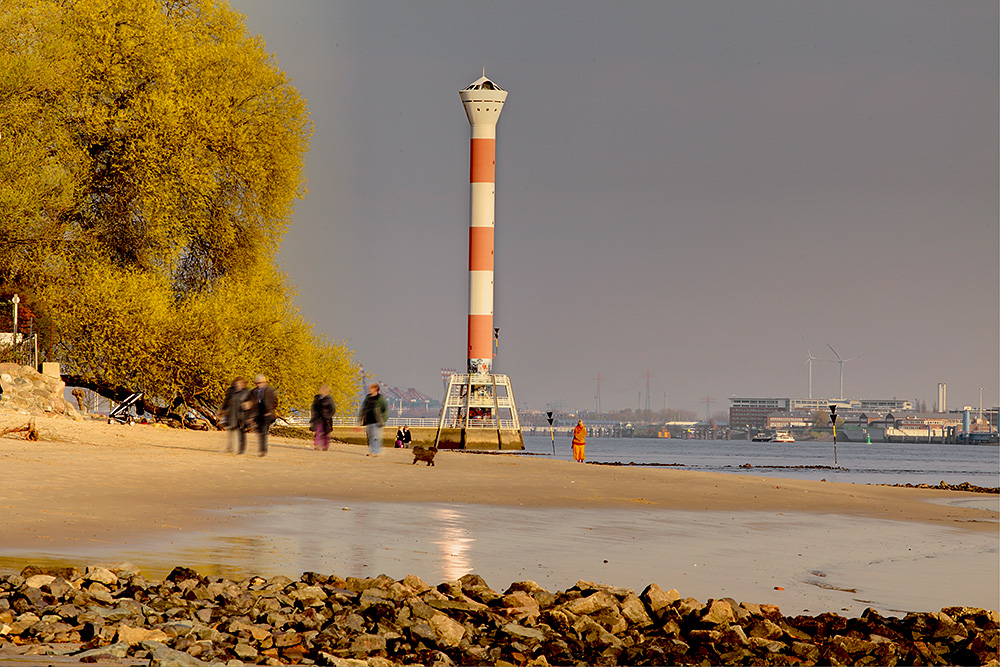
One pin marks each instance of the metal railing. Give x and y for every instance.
(420, 422)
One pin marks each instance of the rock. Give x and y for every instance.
(323, 619)
(23, 622)
(522, 633)
(519, 605)
(656, 598)
(31, 393)
(415, 583)
(718, 612)
(590, 604)
(39, 580)
(129, 635)
(113, 651)
(310, 596)
(100, 593)
(635, 612)
(366, 644)
(765, 629)
(244, 651)
(448, 631)
(101, 575)
(688, 607)
(164, 656)
(768, 645)
(58, 587)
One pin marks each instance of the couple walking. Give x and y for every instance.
(242, 407)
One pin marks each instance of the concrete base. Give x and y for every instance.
(451, 438)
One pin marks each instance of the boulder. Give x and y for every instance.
(129, 635)
(449, 632)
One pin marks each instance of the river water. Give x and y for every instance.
(859, 463)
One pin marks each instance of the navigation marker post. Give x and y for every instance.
(833, 420)
(551, 432)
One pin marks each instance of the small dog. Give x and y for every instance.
(424, 454)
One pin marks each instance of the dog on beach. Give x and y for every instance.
(424, 454)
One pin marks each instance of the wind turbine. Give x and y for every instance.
(809, 362)
(841, 362)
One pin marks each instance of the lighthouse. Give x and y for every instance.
(483, 101)
(479, 410)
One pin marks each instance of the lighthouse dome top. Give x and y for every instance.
(483, 102)
(482, 83)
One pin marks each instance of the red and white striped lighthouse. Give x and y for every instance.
(483, 101)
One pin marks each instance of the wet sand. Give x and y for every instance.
(158, 497)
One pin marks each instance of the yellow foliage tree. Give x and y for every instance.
(150, 156)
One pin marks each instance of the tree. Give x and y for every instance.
(151, 154)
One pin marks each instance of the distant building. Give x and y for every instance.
(753, 412)
(786, 420)
(930, 425)
(750, 412)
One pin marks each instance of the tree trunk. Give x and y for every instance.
(119, 394)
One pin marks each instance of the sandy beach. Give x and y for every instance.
(93, 490)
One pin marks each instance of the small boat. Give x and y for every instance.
(782, 436)
(761, 437)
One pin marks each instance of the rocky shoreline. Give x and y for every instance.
(945, 486)
(115, 616)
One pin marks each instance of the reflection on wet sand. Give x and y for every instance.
(751, 556)
(454, 543)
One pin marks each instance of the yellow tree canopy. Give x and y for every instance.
(150, 156)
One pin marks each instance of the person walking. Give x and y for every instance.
(399, 437)
(373, 413)
(263, 402)
(407, 437)
(232, 415)
(321, 418)
(579, 441)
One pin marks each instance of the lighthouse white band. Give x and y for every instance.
(482, 205)
(480, 292)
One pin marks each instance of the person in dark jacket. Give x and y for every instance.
(263, 401)
(407, 437)
(372, 416)
(321, 418)
(232, 416)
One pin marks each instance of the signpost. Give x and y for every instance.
(833, 420)
(551, 432)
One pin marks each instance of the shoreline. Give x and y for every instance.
(99, 466)
(90, 487)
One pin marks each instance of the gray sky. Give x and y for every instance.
(688, 189)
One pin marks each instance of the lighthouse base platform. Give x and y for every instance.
(479, 412)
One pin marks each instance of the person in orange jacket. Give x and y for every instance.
(579, 441)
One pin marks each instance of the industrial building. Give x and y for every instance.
(752, 412)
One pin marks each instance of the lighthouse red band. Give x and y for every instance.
(483, 101)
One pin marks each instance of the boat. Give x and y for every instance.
(782, 436)
(761, 437)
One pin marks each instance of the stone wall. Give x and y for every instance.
(28, 392)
